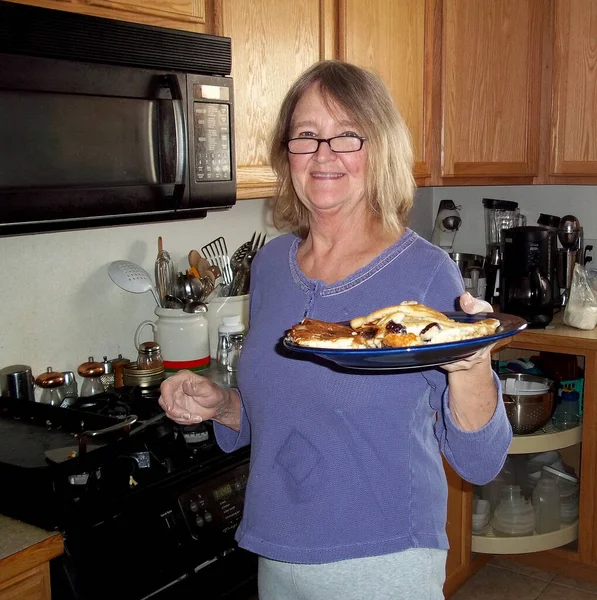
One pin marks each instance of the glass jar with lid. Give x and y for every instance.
(149, 356)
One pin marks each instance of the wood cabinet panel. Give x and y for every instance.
(395, 38)
(459, 530)
(273, 42)
(574, 110)
(491, 88)
(177, 14)
(33, 585)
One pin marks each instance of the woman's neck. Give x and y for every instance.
(333, 252)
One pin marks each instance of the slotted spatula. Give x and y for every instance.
(217, 252)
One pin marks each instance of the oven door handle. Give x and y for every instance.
(124, 426)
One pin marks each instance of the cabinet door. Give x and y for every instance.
(273, 42)
(574, 111)
(491, 89)
(178, 14)
(395, 39)
(459, 530)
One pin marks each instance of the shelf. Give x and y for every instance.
(545, 439)
(490, 544)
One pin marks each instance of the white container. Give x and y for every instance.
(230, 339)
(227, 306)
(481, 516)
(546, 500)
(183, 338)
(514, 516)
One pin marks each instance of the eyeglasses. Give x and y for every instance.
(339, 144)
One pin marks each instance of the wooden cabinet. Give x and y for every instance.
(178, 14)
(273, 42)
(574, 92)
(25, 573)
(396, 39)
(491, 91)
(459, 530)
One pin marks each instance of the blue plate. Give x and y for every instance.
(416, 357)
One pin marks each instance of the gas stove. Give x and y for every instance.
(142, 495)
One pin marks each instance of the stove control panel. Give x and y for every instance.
(216, 504)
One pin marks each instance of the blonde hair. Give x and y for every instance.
(390, 184)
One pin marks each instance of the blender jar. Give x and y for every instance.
(499, 215)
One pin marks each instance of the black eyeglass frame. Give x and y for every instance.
(327, 140)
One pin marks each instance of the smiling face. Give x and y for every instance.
(326, 182)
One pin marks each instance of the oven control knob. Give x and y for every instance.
(199, 522)
(193, 507)
(208, 517)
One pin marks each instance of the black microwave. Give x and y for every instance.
(104, 122)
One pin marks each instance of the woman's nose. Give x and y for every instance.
(324, 152)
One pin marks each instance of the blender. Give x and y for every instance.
(499, 215)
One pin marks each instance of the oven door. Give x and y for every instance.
(163, 543)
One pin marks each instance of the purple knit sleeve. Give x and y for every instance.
(477, 456)
(230, 440)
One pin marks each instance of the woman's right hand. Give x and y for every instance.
(188, 398)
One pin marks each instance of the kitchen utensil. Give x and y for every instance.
(59, 455)
(195, 307)
(529, 401)
(199, 262)
(217, 252)
(132, 278)
(16, 381)
(164, 272)
(173, 302)
(242, 277)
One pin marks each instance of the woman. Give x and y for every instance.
(347, 495)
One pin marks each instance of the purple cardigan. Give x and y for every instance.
(348, 464)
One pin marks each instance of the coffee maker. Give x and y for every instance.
(528, 270)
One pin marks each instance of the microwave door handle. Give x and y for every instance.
(171, 82)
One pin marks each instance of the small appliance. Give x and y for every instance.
(447, 224)
(472, 268)
(106, 122)
(527, 272)
(570, 236)
(499, 215)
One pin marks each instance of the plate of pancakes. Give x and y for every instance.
(405, 336)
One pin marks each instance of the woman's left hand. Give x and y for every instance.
(472, 306)
(473, 395)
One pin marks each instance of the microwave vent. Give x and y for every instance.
(34, 31)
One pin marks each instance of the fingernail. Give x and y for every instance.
(196, 418)
(185, 416)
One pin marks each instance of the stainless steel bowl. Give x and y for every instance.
(529, 401)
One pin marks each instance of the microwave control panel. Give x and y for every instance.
(212, 141)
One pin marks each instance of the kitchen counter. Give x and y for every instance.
(25, 554)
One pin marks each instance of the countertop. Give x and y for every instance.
(558, 335)
(24, 547)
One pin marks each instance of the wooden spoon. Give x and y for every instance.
(199, 262)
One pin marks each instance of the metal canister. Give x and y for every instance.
(16, 381)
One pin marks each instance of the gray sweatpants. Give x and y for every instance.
(416, 574)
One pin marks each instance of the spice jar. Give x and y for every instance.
(91, 371)
(149, 357)
(50, 382)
